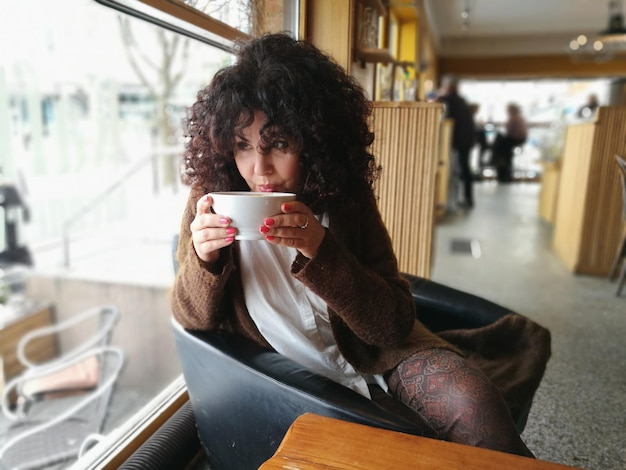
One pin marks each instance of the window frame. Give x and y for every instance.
(119, 445)
(182, 19)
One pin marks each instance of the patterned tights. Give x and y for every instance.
(457, 400)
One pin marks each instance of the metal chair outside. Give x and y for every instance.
(62, 403)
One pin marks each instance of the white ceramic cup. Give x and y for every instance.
(248, 210)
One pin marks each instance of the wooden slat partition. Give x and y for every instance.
(588, 217)
(442, 181)
(407, 147)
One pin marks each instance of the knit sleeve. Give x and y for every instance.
(198, 288)
(359, 278)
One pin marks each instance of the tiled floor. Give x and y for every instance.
(578, 415)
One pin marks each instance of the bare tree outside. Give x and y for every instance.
(235, 13)
(253, 17)
(160, 73)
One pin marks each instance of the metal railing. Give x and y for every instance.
(100, 198)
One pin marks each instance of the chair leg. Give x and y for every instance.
(619, 258)
(622, 279)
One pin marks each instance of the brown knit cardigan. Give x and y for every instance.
(371, 310)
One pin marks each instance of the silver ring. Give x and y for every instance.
(306, 224)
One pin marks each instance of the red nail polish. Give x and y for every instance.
(223, 220)
(229, 239)
(269, 222)
(231, 230)
(286, 207)
(264, 229)
(269, 237)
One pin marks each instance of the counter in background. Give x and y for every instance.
(588, 223)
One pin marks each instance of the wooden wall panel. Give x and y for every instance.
(544, 66)
(588, 218)
(407, 147)
(603, 209)
(329, 25)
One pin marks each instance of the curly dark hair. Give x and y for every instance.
(308, 99)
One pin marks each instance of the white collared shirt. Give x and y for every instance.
(292, 319)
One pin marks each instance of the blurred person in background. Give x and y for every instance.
(515, 134)
(481, 136)
(588, 110)
(463, 134)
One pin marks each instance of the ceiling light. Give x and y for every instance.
(604, 45)
(465, 16)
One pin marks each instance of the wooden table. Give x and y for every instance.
(314, 442)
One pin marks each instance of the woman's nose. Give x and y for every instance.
(262, 163)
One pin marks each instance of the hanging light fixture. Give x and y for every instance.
(465, 16)
(606, 43)
(616, 30)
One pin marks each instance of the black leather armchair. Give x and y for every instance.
(245, 398)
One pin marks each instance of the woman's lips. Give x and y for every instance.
(264, 188)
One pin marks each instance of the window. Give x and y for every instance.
(91, 104)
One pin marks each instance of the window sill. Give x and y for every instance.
(121, 443)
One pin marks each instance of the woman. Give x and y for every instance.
(323, 287)
(516, 132)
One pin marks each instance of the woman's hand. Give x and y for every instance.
(210, 232)
(297, 227)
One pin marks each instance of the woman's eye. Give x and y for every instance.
(242, 145)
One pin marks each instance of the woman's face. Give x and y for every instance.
(270, 170)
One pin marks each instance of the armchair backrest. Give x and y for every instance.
(441, 308)
(245, 398)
